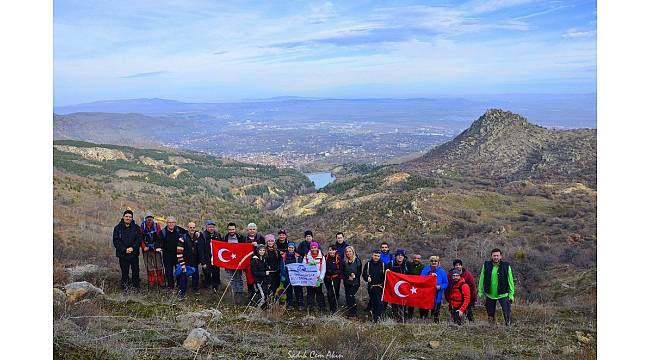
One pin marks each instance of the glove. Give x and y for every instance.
(318, 283)
(282, 278)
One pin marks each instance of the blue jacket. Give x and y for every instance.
(441, 280)
(386, 258)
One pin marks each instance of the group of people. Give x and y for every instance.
(172, 255)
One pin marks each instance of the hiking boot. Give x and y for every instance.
(181, 297)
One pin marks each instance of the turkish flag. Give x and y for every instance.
(234, 256)
(410, 290)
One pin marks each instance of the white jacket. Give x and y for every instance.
(320, 262)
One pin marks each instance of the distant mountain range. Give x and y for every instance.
(564, 111)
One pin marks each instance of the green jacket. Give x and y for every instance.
(493, 292)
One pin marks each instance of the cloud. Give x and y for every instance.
(575, 34)
(144, 74)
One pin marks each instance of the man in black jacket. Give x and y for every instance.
(211, 273)
(187, 255)
(373, 273)
(167, 245)
(126, 239)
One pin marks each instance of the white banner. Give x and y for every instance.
(303, 274)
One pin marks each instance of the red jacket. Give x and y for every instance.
(469, 280)
(456, 300)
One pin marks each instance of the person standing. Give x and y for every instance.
(273, 264)
(458, 297)
(341, 244)
(291, 257)
(415, 268)
(260, 271)
(167, 245)
(256, 239)
(304, 246)
(187, 255)
(399, 264)
(351, 270)
(211, 273)
(373, 273)
(282, 242)
(315, 257)
(496, 282)
(235, 277)
(150, 230)
(434, 269)
(385, 256)
(469, 280)
(333, 276)
(126, 240)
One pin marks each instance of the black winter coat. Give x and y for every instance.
(125, 237)
(259, 268)
(167, 242)
(348, 268)
(273, 260)
(205, 246)
(376, 271)
(190, 247)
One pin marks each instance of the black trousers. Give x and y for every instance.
(316, 291)
(169, 271)
(424, 313)
(182, 282)
(274, 284)
(350, 299)
(399, 312)
(456, 317)
(212, 276)
(337, 288)
(331, 294)
(294, 295)
(470, 312)
(133, 263)
(376, 305)
(491, 307)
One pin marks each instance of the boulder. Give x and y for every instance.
(81, 290)
(196, 339)
(59, 300)
(434, 344)
(199, 319)
(78, 272)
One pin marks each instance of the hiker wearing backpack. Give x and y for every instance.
(373, 273)
(414, 268)
(315, 257)
(291, 257)
(260, 271)
(458, 296)
(153, 260)
(333, 275)
(273, 263)
(497, 283)
(167, 246)
(469, 280)
(399, 265)
(341, 245)
(434, 269)
(211, 273)
(187, 255)
(351, 270)
(126, 240)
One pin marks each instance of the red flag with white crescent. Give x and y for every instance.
(410, 290)
(234, 256)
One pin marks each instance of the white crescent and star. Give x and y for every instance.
(414, 290)
(220, 255)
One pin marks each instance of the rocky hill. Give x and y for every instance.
(504, 146)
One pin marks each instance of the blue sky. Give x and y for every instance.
(220, 51)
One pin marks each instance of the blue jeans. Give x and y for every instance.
(182, 282)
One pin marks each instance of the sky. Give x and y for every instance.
(205, 51)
